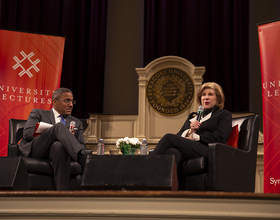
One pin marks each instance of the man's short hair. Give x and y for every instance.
(58, 93)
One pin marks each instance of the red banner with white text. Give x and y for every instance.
(269, 42)
(30, 70)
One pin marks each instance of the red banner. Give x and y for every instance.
(269, 41)
(30, 70)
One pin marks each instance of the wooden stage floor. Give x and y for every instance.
(139, 193)
(137, 205)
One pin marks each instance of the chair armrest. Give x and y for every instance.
(151, 151)
(228, 165)
(88, 151)
(13, 150)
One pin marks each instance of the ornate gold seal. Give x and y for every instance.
(170, 91)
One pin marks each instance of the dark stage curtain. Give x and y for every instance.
(210, 33)
(83, 22)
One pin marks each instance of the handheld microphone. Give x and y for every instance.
(72, 125)
(199, 113)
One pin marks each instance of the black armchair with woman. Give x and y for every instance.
(205, 158)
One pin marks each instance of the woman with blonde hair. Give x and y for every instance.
(192, 140)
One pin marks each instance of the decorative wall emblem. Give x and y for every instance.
(170, 91)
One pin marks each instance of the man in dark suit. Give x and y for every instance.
(59, 142)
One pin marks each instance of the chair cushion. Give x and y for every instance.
(44, 167)
(195, 166)
(233, 137)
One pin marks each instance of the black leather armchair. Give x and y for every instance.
(226, 168)
(40, 171)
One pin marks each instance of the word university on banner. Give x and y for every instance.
(269, 35)
(30, 66)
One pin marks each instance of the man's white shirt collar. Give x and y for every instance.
(56, 116)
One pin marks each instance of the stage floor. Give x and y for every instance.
(137, 205)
